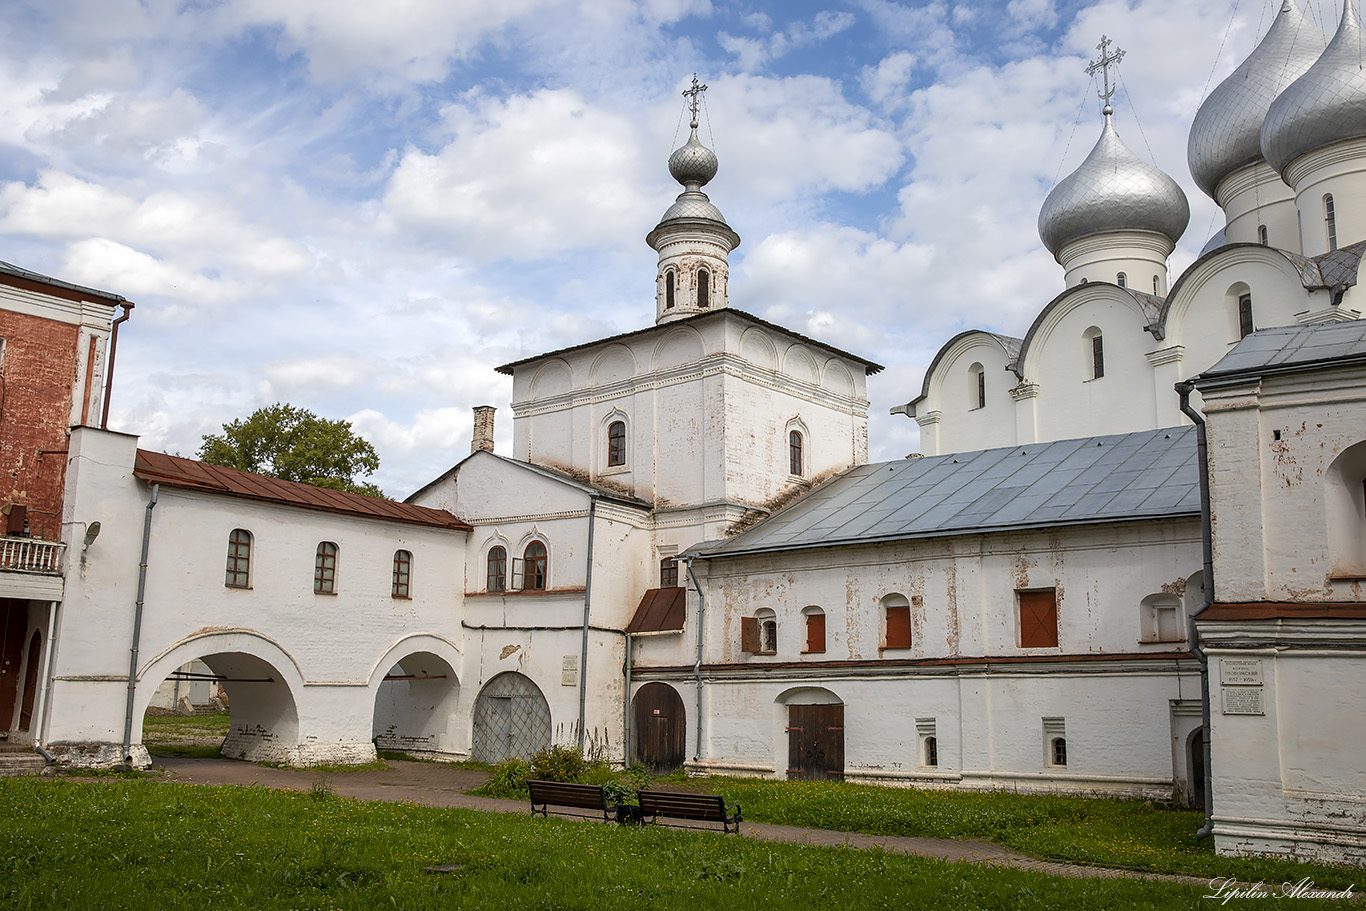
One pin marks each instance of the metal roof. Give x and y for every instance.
(18, 272)
(188, 474)
(868, 365)
(1145, 475)
(1289, 348)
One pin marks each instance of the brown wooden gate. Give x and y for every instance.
(13, 625)
(661, 727)
(815, 742)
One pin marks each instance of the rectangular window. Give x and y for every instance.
(815, 633)
(1038, 619)
(403, 567)
(1055, 742)
(1097, 357)
(898, 626)
(668, 573)
(1244, 315)
(929, 742)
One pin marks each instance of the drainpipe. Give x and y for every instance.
(137, 626)
(697, 668)
(109, 374)
(626, 709)
(583, 651)
(1184, 389)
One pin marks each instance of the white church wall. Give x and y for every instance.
(953, 417)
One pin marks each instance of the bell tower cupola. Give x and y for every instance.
(692, 239)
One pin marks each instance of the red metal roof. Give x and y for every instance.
(1285, 610)
(661, 610)
(187, 474)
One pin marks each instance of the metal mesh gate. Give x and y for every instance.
(511, 719)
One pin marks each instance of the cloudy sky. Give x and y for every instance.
(363, 207)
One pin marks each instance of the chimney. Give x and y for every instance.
(483, 429)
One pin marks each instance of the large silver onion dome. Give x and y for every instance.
(693, 165)
(1113, 190)
(1227, 131)
(1325, 105)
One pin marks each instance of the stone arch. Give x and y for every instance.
(808, 733)
(261, 681)
(552, 378)
(614, 364)
(416, 696)
(757, 347)
(837, 378)
(1344, 498)
(800, 365)
(681, 346)
(511, 719)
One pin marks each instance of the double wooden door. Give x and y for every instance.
(815, 742)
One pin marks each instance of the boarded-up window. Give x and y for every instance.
(1038, 619)
(749, 635)
(898, 626)
(815, 631)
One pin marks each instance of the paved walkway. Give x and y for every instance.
(438, 785)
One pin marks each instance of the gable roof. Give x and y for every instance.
(188, 474)
(1152, 474)
(554, 475)
(869, 367)
(1287, 349)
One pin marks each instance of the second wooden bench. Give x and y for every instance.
(702, 807)
(546, 794)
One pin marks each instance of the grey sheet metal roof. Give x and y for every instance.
(1145, 475)
(18, 272)
(1288, 348)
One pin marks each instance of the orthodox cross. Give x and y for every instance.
(692, 95)
(1103, 64)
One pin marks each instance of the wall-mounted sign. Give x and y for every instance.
(1240, 671)
(569, 671)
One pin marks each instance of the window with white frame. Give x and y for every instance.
(928, 742)
(1055, 742)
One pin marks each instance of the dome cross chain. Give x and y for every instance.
(692, 94)
(1103, 64)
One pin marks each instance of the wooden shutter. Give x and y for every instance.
(815, 632)
(899, 627)
(749, 635)
(1038, 619)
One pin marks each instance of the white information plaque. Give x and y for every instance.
(569, 671)
(1243, 700)
(1240, 671)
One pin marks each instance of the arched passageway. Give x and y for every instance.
(414, 704)
(659, 724)
(511, 719)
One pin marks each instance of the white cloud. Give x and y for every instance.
(105, 264)
(752, 53)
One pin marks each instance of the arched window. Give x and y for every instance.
(931, 750)
(1245, 327)
(1122, 280)
(794, 452)
(1156, 286)
(1059, 751)
(1330, 221)
(896, 621)
(1345, 501)
(977, 387)
(669, 289)
(616, 443)
(815, 630)
(703, 288)
(239, 559)
(768, 631)
(534, 567)
(1262, 236)
(325, 569)
(1162, 619)
(403, 570)
(1095, 353)
(497, 572)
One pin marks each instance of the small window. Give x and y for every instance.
(239, 559)
(896, 612)
(669, 289)
(815, 631)
(1055, 741)
(325, 569)
(1059, 751)
(1095, 353)
(403, 568)
(932, 751)
(1162, 619)
(497, 569)
(759, 634)
(1330, 221)
(534, 567)
(794, 452)
(1156, 286)
(668, 573)
(1038, 619)
(1122, 280)
(1245, 327)
(977, 387)
(929, 742)
(703, 289)
(616, 444)
(1262, 236)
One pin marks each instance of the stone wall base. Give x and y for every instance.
(1318, 843)
(99, 755)
(257, 749)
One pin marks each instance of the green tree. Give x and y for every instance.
(294, 444)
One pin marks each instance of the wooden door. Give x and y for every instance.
(13, 625)
(661, 726)
(815, 742)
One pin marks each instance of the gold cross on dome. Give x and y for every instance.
(1103, 63)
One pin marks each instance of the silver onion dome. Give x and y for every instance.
(693, 165)
(1325, 105)
(1226, 134)
(1113, 190)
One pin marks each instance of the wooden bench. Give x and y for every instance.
(546, 794)
(703, 807)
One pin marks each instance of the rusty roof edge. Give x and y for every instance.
(870, 367)
(19, 272)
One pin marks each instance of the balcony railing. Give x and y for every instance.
(29, 555)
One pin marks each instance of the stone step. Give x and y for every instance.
(13, 764)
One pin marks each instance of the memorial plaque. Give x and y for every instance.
(1240, 671)
(1243, 700)
(569, 671)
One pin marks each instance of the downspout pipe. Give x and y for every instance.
(42, 712)
(137, 626)
(697, 667)
(1184, 389)
(109, 373)
(587, 601)
(626, 709)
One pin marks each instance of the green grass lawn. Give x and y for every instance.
(143, 844)
(185, 735)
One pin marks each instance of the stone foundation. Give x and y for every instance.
(99, 755)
